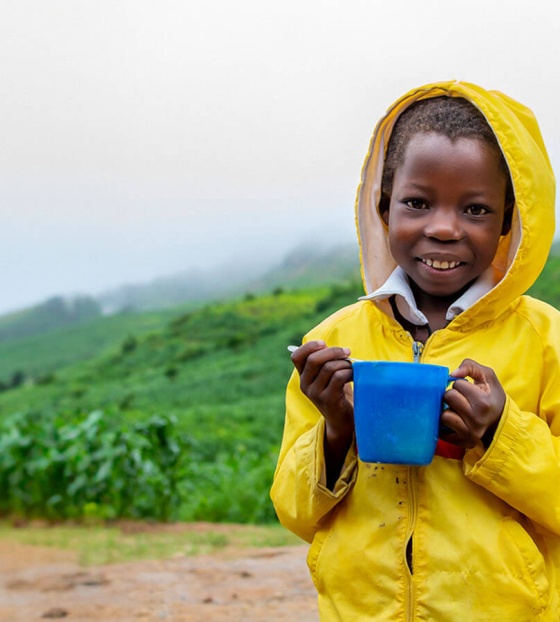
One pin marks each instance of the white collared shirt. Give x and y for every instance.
(397, 285)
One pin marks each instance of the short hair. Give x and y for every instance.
(454, 117)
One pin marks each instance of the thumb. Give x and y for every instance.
(473, 370)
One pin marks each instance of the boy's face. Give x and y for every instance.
(446, 212)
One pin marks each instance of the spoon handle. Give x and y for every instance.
(294, 348)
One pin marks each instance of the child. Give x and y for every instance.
(455, 218)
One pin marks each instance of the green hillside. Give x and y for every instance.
(167, 366)
(53, 349)
(191, 413)
(56, 312)
(547, 287)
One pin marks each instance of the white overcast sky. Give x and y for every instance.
(141, 138)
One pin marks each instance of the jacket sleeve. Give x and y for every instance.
(299, 493)
(522, 465)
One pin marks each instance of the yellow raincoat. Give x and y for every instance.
(485, 527)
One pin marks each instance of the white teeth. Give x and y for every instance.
(440, 265)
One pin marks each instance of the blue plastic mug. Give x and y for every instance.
(397, 407)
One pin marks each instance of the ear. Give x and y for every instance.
(384, 203)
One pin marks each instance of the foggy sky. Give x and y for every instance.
(143, 138)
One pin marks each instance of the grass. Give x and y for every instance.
(98, 545)
(49, 351)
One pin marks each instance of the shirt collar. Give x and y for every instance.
(398, 285)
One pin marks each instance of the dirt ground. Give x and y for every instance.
(235, 585)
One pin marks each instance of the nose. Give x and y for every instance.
(444, 225)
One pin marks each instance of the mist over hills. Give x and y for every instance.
(302, 266)
(55, 312)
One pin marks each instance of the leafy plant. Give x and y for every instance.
(95, 466)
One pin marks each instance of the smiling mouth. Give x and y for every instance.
(440, 265)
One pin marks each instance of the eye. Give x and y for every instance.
(416, 203)
(477, 210)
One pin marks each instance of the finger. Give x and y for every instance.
(333, 375)
(299, 356)
(479, 410)
(318, 354)
(472, 369)
(321, 362)
(333, 401)
(468, 400)
(474, 393)
(454, 429)
(460, 407)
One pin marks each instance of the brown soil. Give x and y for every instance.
(235, 585)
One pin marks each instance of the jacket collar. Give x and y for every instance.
(398, 285)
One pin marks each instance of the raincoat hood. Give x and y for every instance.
(476, 530)
(521, 253)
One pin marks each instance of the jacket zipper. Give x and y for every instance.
(409, 569)
(417, 349)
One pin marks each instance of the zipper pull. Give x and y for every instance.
(417, 348)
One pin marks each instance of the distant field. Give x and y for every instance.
(65, 346)
(177, 416)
